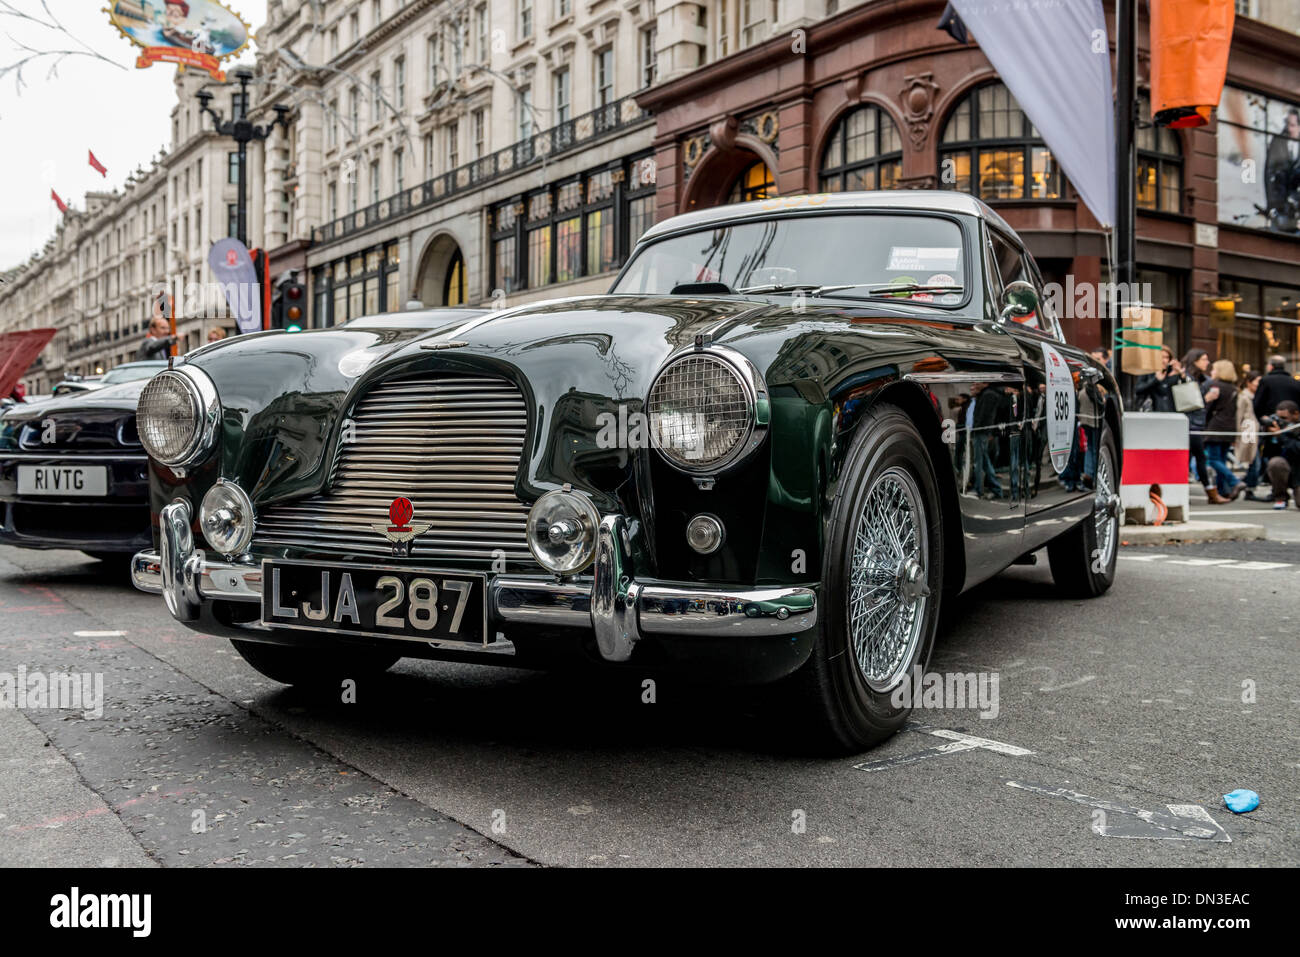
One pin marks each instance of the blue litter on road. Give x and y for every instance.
(1240, 801)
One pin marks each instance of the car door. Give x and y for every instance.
(1062, 414)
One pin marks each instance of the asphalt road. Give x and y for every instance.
(1178, 686)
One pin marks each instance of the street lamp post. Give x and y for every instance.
(244, 132)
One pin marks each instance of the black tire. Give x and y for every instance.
(836, 709)
(313, 668)
(1083, 564)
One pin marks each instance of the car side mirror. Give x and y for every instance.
(1019, 299)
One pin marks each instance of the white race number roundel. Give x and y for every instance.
(1060, 407)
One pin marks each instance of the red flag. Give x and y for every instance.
(97, 165)
(63, 207)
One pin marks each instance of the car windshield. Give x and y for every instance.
(132, 373)
(855, 254)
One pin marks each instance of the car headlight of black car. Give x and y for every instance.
(708, 410)
(177, 416)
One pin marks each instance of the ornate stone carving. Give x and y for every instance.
(723, 133)
(917, 98)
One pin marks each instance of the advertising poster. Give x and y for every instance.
(197, 33)
(1259, 161)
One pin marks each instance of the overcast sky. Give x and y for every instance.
(122, 114)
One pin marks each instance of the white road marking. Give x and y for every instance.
(987, 743)
(1245, 566)
(1183, 822)
(959, 742)
(98, 634)
(1071, 684)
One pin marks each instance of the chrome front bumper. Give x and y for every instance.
(617, 608)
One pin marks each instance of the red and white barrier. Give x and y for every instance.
(1155, 453)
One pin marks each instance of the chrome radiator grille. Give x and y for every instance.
(451, 444)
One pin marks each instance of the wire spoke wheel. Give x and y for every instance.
(888, 571)
(1105, 513)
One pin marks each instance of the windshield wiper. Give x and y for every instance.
(783, 287)
(884, 289)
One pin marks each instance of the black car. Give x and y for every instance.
(74, 475)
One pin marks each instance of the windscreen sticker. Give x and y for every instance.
(1060, 407)
(941, 279)
(924, 258)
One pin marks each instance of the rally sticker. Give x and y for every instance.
(1060, 407)
(924, 258)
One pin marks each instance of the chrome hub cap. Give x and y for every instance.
(1105, 510)
(888, 589)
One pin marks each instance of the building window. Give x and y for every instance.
(753, 22)
(376, 95)
(481, 33)
(755, 183)
(649, 59)
(990, 148)
(563, 8)
(524, 104)
(232, 220)
(376, 13)
(724, 37)
(453, 145)
(374, 181)
(232, 168)
(333, 123)
(1159, 165)
(354, 189)
(399, 177)
(354, 26)
(525, 19)
(478, 124)
(560, 85)
(334, 42)
(604, 77)
(432, 47)
(458, 42)
(428, 156)
(332, 197)
(364, 284)
(354, 112)
(864, 152)
(399, 82)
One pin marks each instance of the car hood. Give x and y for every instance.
(283, 394)
(122, 397)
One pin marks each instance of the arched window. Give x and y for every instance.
(1159, 165)
(864, 152)
(990, 148)
(755, 183)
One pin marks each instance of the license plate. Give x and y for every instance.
(62, 480)
(376, 602)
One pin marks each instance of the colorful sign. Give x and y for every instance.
(1259, 161)
(198, 33)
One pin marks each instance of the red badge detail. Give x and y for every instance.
(232, 259)
(400, 513)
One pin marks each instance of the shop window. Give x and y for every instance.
(990, 148)
(864, 152)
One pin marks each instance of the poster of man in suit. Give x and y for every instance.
(1282, 175)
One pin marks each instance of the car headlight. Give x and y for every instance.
(707, 409)
(226, 517)
(562, 527)
(177, 416)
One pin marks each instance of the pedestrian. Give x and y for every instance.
(1195, 364)
(157, 344)
(1283, 469)
(1247, 448)
(1276, 386)
(216, 334)
(1153, 389)
(1221, 429)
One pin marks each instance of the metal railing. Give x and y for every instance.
(572, 134)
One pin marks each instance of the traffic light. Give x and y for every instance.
(288, 303)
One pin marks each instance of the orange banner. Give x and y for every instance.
(204, 61)
(1189, 59)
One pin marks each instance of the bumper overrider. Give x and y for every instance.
(618, 609)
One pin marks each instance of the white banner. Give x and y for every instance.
(1054, 57)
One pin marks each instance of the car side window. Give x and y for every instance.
(1051, 322)
(1012, 267)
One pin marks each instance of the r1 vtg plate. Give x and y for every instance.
(63, 480)
(375, 602)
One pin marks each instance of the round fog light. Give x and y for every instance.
(562, 531)
(704, 533)
(226, 517)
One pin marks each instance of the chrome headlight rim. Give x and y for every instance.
(590, 514)
(206, 407)
(758, 405)
(247, 530)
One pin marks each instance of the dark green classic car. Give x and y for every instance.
(788, 434)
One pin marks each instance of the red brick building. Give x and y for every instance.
(877, 97)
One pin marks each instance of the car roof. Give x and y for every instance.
(924, 200)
